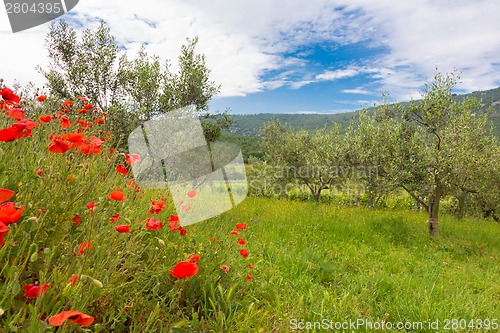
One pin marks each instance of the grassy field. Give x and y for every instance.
(75, 236)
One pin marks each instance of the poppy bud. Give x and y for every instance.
(34, 256)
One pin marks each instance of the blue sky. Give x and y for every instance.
(289, 56)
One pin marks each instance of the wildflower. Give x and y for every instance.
(241, 241)
(234, 233)
(91, 206)
(121, 169)
(249, 277)
(115, 217)
(45, 119)
(15, 113)
(157, 206)
(251, 266)
(117, 195)
(78, 317)
(244, 253)
(39, 172)
(192, 193)
(122, 228)
(76, 220)
(99, 121)
(131, 159)
(6, 194)
(41, 98)
(184, 269)
(183, 232)
(83, 99)
(59, 146)
(84, 245)
(34, 291)
(67, 104)
(65, 122)
(3, 231)
(225, 268)
(8, 134)
(9, 213)
(72, 279)
(131, 184)
(213, 239)
(8, 95)
(152, 224)
(241, 226)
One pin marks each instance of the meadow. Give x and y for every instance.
(81, 241)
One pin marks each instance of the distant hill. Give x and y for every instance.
(249, 125)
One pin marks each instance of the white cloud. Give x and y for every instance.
(357, 91)
(337, 74)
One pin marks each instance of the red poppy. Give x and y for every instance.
(183, 232)
(41, 98)
(39, 172)
(115, 217)
(15, 113)
(84, 245)
(131, 184)
(99, 121)
(45, 119)
(244, 253)
(90, 207)
(24, 127)
(157, 207)
(73, 137)
(65, 122)
(131, 159)
(192, 193)
(76, 220)
(249, 277)
(173, 218)
(234, 233)
(83, 99)
(251, 266)
(122, 228)
(72, 279)
(241, 241)
(33, 291)
(88, 106)
(59, 146)
(9, 213)
(213, 239)
(121, 169)
(152, 224)
(184, 269)
(70, 178)
(241, 226)
(8, 134)
(117, 195)
(67, 104)
(8, 95)
(194, 258)
(6, 194)
(3, 231)
(79, 318)
(225, 268)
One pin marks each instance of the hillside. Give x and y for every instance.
(249, 125)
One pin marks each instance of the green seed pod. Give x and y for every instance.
(34, 256)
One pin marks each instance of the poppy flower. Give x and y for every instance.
(76, 220)
(115, 217)
(73, 137)
(15, 113)
(70, 178)
(251, 266)
(234, 233)
(157, 206)
(9, 213)
(72, 279)
(183, 232)
(8, 95)
(84, 245)
(213, 239)
(3, 231)
(65, 122)
(249, 277)
(241, 241)
(173, 218)
(131, 159)
(99, 121)
(192, 193)
(90, 207)
(152, 224)
(59, 146)
(88, 106)
(121, 169)
(244, 253)
(33, 291)
(6, 194)
(225, 268)
(41, 98)
(122, 228)
(83, 99)
(79, 318)
(194, 258)
(131, 184)
(67, 104)
(184, 269)
(117, 195)
(45, 119)
(241, 226)
(24, 127)
(39, 172)
(8, 134)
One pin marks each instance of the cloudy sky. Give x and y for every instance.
(292, 56)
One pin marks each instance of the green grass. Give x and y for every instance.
(313, 262)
